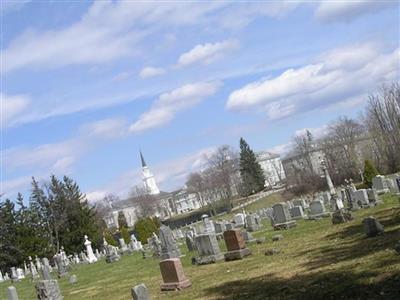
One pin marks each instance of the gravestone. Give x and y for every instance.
(317, 210)
(296, 212)
(248, 238)
(1, 277)
(235, 245)
(252, 223)
(239, 220)
(361, 197)
(326, 198)
(398, 182)
(124, 247)
(89, 251)
(190, 241)
(392, 185)
(139, 292)
(111, 254)
(45, 262)
(173, 275)
(20, 274)
(48, 290)
(61, 268)
(372, 227)
(219, 227)
(169, 248)
(12, 293)
(33, 269)
(229, 226)
(208, 249)
(135, 244)
(373, 197)
(282, 219)
(73, 279)
(14, 275)
(38, 264)
(379, 183)
(26, 269)
(207, 224)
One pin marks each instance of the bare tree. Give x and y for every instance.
(222, 162)
(145, 203)
(195, 184)
(383, 123)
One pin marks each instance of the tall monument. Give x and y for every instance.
(148, 178)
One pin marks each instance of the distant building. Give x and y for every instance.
(183, 200)
(272, 166)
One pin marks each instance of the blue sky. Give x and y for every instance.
(86, 84)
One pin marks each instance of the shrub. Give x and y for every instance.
(145, 227)
(369, 172)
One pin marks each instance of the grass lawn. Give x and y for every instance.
(318, 260)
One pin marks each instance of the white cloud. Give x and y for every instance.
(122, 76)
(335, 77)
(95, 196)
(59, 157)
(281, 149)
(151, 72)
(106, 128)
(317, 132)
(207, 53)
(336, 11)
(165, 108)
(13, 186)
(12, 106)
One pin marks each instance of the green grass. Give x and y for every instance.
(317, 260)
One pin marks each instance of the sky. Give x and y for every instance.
(85, 85)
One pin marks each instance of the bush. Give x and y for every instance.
(125, 235)
(109, 238)
(145, 227)
(369, 172)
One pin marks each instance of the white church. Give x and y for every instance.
(183, 201)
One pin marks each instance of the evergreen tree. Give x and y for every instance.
(122, 220)
(125, 235)
(369, 172)
(145, 227)
(250, 170)
(10, 254)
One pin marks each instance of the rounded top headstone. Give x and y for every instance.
(204, 216)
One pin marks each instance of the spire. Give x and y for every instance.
(142, 159)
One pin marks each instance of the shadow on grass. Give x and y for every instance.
(332, 285)
(351, 242)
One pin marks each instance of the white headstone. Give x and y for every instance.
(90, 255)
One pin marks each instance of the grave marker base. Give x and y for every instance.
(237, 254)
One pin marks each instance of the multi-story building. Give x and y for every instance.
(272, 166)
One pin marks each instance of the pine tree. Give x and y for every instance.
(10, 254)
(250, 170)
(145, 227)
(369, 172)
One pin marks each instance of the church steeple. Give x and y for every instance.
(149, 181)
(142, 159)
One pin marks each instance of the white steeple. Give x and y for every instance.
(148, 178)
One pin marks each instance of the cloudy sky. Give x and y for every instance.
(85, 84)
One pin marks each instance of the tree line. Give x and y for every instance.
(56, 214)
(348, 143)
